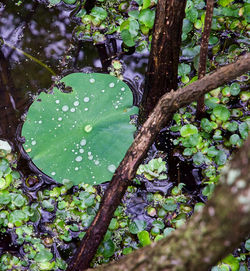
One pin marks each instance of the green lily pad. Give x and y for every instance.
(83, 135)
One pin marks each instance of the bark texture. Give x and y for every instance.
(126, 171)
(161, 76)
(203, 52)
(210, 234)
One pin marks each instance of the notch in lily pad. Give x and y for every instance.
(83, 135)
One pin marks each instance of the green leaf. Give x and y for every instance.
(221, 113)
(137, 226)
(147, 17)
(188, 130)
(234, 139)
(44, 255)
(54, 2)
(192, 14)
(170, 205)
(109, 248)
(224, 3)
(99, 13)
(232, 262)
(183, 69)
(247, 245)
(144, 238)
(220, 158)
(243, 128)
(83, 135)
(206, 125)
(127, 38)
(167, 231)
(146, 4)
(69, 2)
(212, 151)
(235, 89)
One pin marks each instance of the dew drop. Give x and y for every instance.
(92, 80)
(60, 119)
(112, 168)
(111, 85)
(83, 142)
(122, 89)
(88, 128)
(40, 122)
(81, 150)
(33, 142)
(102, 90)
(78, 159)
(65, 108)
(76, 168)
(90, 157)
(76, 103)
(57, 101)
(89, 153)
(72, 110)
(53, 173)
(86, 99)
(97, 162)
(86, 109)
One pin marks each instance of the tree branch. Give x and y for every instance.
(209, 235)
(126, 171)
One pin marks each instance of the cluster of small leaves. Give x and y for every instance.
(154, 169)
(131, 20)
(56, 2)
(64, 212)
(210, 142)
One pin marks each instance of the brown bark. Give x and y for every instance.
(209, 235)
(126, 171)
(203, 53)
(161, 76)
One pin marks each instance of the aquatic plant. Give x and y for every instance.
(83, 135)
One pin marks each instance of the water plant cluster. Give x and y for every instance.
(45, 226)
(133, 22)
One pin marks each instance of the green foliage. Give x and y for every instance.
(76, 136)
(154, 169)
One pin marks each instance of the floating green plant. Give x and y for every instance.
(83, 135)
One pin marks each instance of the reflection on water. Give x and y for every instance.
(46, 34)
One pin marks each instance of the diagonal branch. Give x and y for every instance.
(167, 105)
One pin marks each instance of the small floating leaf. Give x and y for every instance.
(83, 135)
(221, 113)
(188, 130)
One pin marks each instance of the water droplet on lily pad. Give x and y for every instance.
(53, 173)
(78, 159)
(33, 142)
(92, 80)
(65, 108)
(88, 128)
(83, 142)
(57, 101)
(112, 168)
(111, 85)
(76, 103)
(86, 99)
